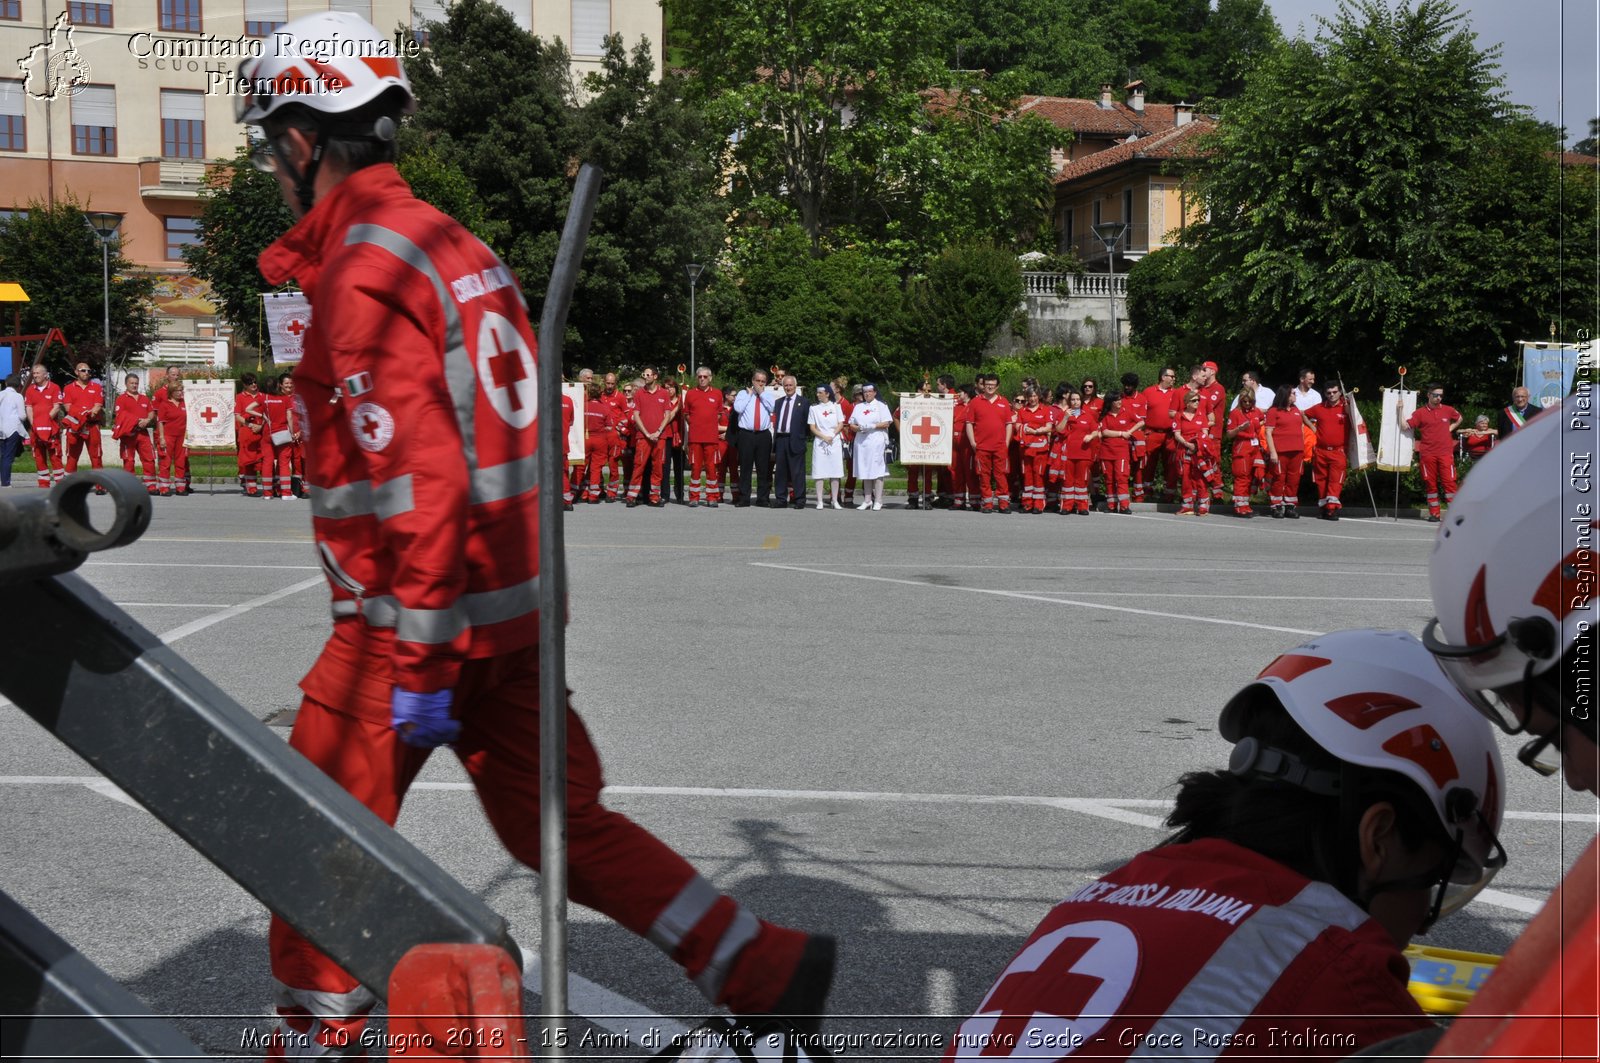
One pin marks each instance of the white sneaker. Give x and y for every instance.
(877, 505)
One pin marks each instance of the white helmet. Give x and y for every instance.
(332, 62)
(1514, 572)
(1378, 700)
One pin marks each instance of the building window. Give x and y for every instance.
(591, 23)
(180, 16)
(89, 14)
(11, 9)
(10, 215)
(422, 13)
(355, 7)
(262, 18)
(183, 124)
(1068, 237)
(182, 232)
(94, 120)
(13, 119)
(1096, 209)
(1127, 206)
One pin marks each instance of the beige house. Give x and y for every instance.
(1118, 163)
(134, 139)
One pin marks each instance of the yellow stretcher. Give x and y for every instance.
(1444, 981)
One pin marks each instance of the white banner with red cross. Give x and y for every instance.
(210, 406)
(927, 429)
(575, 434)
(288, 316)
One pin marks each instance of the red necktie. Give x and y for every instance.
(758, 411)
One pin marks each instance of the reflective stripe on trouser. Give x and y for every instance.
(705, 467)
(1035, 465)
(1328, 466)
(313, 1024)
(138, 445)
(1244, 471)
(1438, 478)
(174, 466)
(1078, 470)
(616, 866)
(47, 457)
(1286, 478)
(651, 453)
(992, 478)
(1115, 472)
(74, 444)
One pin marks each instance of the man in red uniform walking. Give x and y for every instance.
(43, 399)
(85, 402)
(989, 433)
(435, 634)
(1331, 422)
(1434, 427)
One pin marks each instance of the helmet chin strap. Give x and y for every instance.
(304, 180)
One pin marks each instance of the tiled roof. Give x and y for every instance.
(1087, 116)
(1573, 158)
(1171, 144)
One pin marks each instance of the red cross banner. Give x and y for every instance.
(575, 453)
(927, 429)
(210, 406)
(288, 316)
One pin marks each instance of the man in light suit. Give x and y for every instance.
(790, 437)
(752, 412)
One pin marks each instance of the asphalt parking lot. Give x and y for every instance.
(914, 730)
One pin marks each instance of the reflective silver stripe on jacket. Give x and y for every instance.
(435, 626)
(459, 374)
(509, 480)
(679, 917)
(322, 1004)
(336, 572)
(740, 933)
(1224, 993)
(360, 499)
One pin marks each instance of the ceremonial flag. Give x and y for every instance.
(927, 429)
(1548, 369)
(1394, 438)
(1357, 447)
(575, 452)
(288, 316)
(210, 406)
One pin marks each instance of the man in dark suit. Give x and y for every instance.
(752, 413)
(790, 434)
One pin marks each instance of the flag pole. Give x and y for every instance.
(1350, 397)
(1400, 400)
(552, 624)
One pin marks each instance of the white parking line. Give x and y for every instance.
(183, 631)
(238, 566)
(1230, 597)
(1154, 568)
(603, 1007)
(1037, 598)
(1233, 522)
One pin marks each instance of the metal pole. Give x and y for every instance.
(1111, 294)
(692, 365)
(105, 269)
(552, 625)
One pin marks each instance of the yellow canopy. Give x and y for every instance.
(12, 293)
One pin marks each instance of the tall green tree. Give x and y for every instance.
(1373, 201)
(1590, 145)
(58, 259)
(241, 212)
(969, 291)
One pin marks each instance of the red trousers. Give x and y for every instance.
(249, 452)
(1246, 467)
(617, 867)
(47, 456)
(925, 476)
(993, 478)
(174, 465)
(1438, 478)
(597, 449)
(74, 442)
(1285, 489)
(1115, 472)
(1199, 472)
(1327, 471)
(652, 453)
(963, 477)
(1075, 487)
(138, 443)
(1160, 452)
(705, 472)
(1035, 468)
(277, 463)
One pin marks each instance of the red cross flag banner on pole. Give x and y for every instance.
(288, 316)
(927, 429)
(210, 405)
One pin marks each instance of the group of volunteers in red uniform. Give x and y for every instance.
(269, 431)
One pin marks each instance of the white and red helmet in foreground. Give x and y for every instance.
(1513, 575)
(1378, 700)
(332, 62)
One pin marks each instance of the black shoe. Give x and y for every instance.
(777, 505)
(741, 505)
(1292, 512)
(608, 498)
(797, 505)
(1333, 512)
(657, 504)
(632, 502)
(913, 504)
(1277, 512)
(1431, 519)
(592, 501)
(709, 505)
(567, 506)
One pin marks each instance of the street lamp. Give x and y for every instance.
(105, 225)
(693, 269)
(1109, 232)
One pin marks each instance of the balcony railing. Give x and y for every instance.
(1070, 284)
